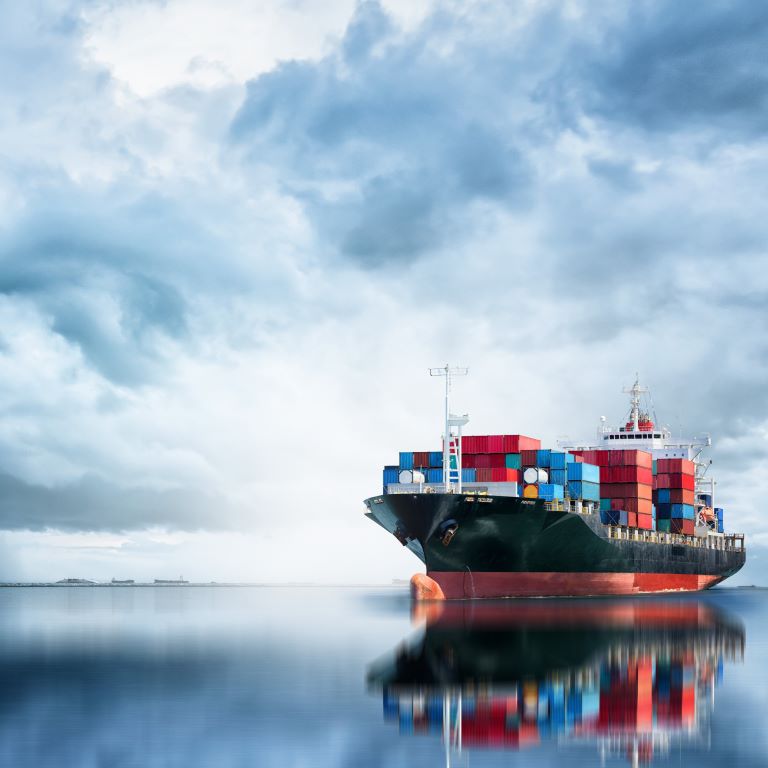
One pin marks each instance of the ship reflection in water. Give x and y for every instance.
(633, 678)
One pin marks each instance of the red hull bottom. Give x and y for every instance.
(458, 585)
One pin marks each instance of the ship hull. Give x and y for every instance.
(460, 585)
(511, 547)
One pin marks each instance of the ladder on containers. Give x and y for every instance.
(451, 439)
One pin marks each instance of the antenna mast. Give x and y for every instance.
(635, 391)
(451, 448)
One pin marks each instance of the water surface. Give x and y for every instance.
(217, 676)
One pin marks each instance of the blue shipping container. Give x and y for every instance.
(682, 511)
(663, 511)
(557, 476)
(706, 498)
(406, 459)
(720, 528)
(609, 517)
(663, 495)
(435, 459)
(542, 457)
(434, 475)
(585, 491)
(587, 472)
(468, 475)
(391, 475)
(551, 491)
(719, 513)
(557, 459)
(623, 517)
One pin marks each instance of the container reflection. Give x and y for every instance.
(633, 677)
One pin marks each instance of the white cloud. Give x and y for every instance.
(151, 46)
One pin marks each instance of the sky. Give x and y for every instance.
(234, 236)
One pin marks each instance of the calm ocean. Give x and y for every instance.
(283, 677)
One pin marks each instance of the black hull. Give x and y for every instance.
(547, 552)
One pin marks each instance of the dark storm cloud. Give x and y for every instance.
(93, 504)
(403, 124)
(669, 66)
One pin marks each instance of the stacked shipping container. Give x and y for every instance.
(674, 495)
(633, 490)
(487, 460)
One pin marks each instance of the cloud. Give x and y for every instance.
(382, 142)
(665, 69)
(220, 286)
(93, 504)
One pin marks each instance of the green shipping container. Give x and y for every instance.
(512, 461)
(605, 505)
(654, 466)
(664, 526)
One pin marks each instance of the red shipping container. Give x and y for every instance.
(641, 506)
(421, 460)
(617, 504)
(528, 458)
(468, 444)
(626, 475)
(680, 466)
(482, 461)
(484, 475)
(504, 475)
(625, 491)
(661, 481)
(640, 459)
(598, 458)
(681, 496)
(616, 458)
(681, 526)
(645, 522)
(631, 519)
(517, 443)
(526, 444)
(469, 460)
(497, 460)
(688, 482)
(495, 444)
(475, 443)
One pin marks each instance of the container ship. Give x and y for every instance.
(630, 511)
(633, 679)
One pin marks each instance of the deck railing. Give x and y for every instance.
(732, 542)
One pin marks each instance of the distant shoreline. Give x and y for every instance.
(10, 585)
